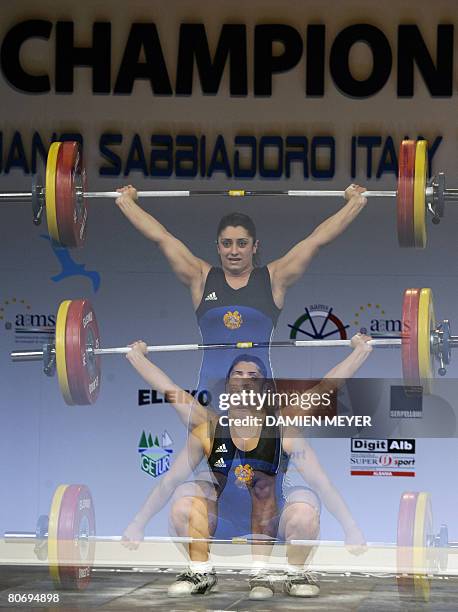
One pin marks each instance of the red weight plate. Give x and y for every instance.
(404, 552)
(409, 346)
(76, 537)
(83, 367)
(409, 296)
(405, 197)
(72, 353)
(71, 208)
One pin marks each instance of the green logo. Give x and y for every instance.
(155, 454)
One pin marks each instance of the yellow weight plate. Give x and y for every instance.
(426, 324)
(51, 170)
(61, 362)
(422, 557)
(53, 527)
(419, 197)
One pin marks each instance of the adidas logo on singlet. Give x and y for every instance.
(220, 463)
(221, 449)
(211, 296)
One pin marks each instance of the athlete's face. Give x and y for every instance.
(236, 249)
(245, 376)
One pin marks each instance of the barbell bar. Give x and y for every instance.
(64, 192)
(122, 350)
(41, 533)
(27, 195)
(67, 538)
(75, 354)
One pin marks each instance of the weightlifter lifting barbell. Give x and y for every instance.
(76, 351)
(67, 539)
(417, 557)
(64, 194)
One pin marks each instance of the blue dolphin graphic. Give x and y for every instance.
(70, 267)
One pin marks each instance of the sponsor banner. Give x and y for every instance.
(406, 402)
(22, 323)
(362, 445)
(155, 453)
(382, 457)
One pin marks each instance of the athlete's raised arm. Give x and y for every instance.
(189, 269)
(286, 270)
(190, 411)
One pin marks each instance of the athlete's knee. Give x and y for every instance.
(301, 520)
(182, 510)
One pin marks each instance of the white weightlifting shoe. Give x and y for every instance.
(192, 583)
(261, 586)
(301, 585)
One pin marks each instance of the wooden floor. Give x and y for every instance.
(146, 590)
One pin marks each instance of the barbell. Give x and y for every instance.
(76, 350)
(67, 538)
(64, 194)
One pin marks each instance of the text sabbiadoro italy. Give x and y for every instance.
(275, 400)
